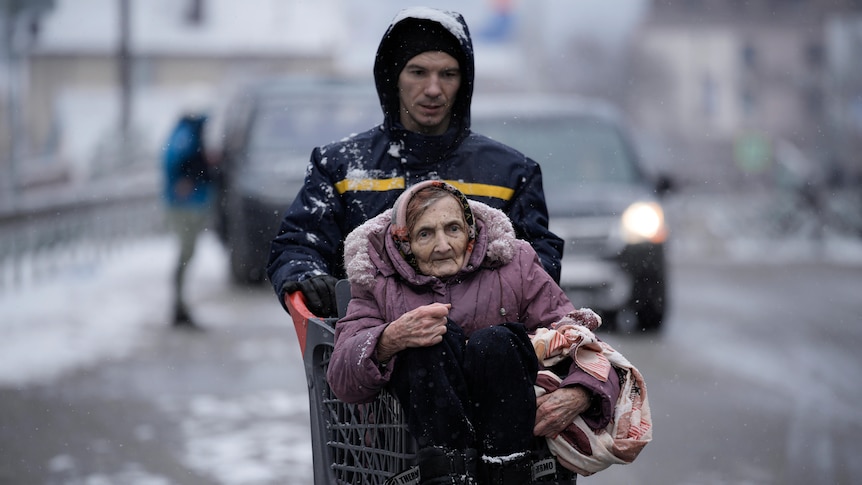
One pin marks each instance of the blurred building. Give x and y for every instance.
(96, 84)
(724, 83)
(97, 69)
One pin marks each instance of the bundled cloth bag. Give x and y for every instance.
(583, 450)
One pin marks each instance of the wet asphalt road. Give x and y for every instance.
(754, 380)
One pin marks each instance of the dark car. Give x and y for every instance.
(601, 201)
(268, 131)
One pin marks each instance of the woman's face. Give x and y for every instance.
(439, 238)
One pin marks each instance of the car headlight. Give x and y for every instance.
(644, 222)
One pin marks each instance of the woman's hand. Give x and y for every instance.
(556, 410)
(421, 327)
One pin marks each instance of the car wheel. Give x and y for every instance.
(649, 318)
(221, 215)
(650, 306)
(649, 291)
(242, 271)
(244, 268)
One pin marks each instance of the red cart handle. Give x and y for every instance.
(300, 314)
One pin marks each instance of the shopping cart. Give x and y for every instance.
(359, 444)
(352, 444)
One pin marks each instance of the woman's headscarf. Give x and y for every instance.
(401, 233)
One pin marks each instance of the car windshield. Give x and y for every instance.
(294, 128)
(570, 150)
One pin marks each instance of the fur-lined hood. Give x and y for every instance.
(365, 247)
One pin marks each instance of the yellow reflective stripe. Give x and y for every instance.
(397, 183)
(483, 190)
(369, 185)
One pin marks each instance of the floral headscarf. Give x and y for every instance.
(398, 227)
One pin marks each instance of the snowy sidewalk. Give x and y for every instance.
(97, 312)
(97, 389)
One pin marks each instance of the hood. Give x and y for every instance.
(495, 236)
(389, 53)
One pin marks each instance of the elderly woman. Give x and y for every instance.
(444, 297)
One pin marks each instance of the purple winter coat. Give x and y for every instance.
(503, 281)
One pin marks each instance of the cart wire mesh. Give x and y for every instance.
(367, 443)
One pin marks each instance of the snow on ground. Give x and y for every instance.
(103, 312)
(88, 314)
(256, 439)
(76, 320)
(132, 474)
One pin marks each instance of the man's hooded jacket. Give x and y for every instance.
(355, 179)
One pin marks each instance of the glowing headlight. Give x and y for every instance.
(644, 221)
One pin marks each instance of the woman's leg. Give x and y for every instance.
(500, 367)
(430, 386)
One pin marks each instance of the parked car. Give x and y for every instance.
(268, 130)
(600, 200)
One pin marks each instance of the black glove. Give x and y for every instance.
(319, 294)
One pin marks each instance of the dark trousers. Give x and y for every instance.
(475, 393)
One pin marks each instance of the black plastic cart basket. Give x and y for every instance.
(352, 443)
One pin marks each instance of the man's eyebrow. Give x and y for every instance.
(413, 65)
(416, 65)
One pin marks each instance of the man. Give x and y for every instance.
(188, 187)
(424, 75)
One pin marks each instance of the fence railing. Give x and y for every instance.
(62, 234)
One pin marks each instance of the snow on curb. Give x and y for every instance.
(86, 316)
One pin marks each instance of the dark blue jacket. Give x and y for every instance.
(354, 179)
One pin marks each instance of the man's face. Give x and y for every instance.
(427, 87)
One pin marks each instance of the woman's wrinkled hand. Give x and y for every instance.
(421, 327)
(556, 410)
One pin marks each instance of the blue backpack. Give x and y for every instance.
(185, 151)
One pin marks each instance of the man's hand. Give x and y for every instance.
(319, 294)
(556, 410)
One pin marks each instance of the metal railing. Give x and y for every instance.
(64, 233)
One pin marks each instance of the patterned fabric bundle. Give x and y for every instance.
(579, 448)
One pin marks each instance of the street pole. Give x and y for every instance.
(125, 76)
(19, 22)
(10, 110)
